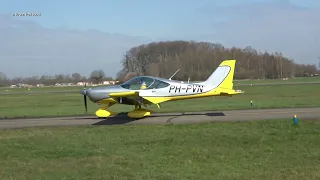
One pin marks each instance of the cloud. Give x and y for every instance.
(26, 49)
(272, 26)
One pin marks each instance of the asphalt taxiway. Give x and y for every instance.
(167, 118)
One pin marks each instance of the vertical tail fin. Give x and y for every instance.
(222, 77)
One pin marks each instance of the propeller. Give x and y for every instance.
(85, 97)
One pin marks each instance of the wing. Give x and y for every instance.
(125, 94)
(135, 95)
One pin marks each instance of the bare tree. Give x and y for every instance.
(97, 75)
(129, 76)
(76, 77)
(197, 60)
(3, 79)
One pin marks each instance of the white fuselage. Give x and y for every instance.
(176, 89)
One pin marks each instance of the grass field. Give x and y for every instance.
(59, 104)
(248, 150)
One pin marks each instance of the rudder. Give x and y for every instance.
(222, 77)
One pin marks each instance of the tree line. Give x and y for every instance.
(96, 76)
(197, 60)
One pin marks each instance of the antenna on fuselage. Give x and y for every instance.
(174, 74)
(188, 80)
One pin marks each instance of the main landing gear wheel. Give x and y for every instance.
(139, 113)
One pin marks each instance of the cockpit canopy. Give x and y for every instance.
(150, 83)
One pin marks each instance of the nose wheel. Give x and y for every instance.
(104, 112)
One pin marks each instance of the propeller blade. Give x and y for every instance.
(85, 97)
(85, 102)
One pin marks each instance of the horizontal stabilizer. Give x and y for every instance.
(227, 92)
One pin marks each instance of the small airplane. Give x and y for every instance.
(147, 90)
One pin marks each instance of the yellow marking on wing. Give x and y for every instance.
(157, 100)
(123, 94)
(214, 92)
(109, 101)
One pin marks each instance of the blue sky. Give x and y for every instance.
(288, 26)
(157, 18)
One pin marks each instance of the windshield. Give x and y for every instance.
(137, 83)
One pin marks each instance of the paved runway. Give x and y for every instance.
(167, 118)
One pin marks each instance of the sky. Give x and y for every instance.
(81, 36)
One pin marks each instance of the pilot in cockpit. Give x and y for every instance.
(143, 85)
